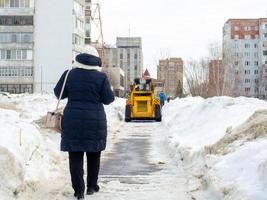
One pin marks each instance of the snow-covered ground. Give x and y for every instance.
(219, 141)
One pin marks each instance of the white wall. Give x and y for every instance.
(53, 41)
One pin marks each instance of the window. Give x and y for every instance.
(121, 56)
(247, 45)
(265, 25)
(247, 80)
(247, 71)
(256, 80)
(256, 28)
(247, 28)
(13, 54)
(16, 54)
(19, 54)
(3, 54)
(265, 35)
(135, 56)
(24, 55)
(255, 46)
(16, 20)
(256, 36)
(265, 62)
(2, 3)
(256, 71)
(256, 89)
(16, 88)
(247, 63)
(24, 3)
(256, 54)
(236, 63)
(12, 3)
(128, 56)
(236, 54)
(247, 89)
(265, 52)
(236, 28)
(247, 36)
(8, 54)
(256, 63)
(16, 38)
(247, 54)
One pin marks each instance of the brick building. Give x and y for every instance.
(170, 71)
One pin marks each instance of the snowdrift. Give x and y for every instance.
(222, 141)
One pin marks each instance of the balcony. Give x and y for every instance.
(16, 11)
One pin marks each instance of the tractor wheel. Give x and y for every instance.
(157, 113)
(128, 113)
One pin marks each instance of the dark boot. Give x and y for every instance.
(91, 191)
(80, 197)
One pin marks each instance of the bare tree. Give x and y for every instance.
(196, 75)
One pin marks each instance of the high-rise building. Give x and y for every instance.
(130, 58)
(38, 41)
(170, 72)
(16, 45)
(245, 57)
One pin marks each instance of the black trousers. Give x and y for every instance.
(77, 172)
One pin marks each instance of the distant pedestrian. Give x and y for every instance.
(168, 99)
(84, 124)
(162, 98)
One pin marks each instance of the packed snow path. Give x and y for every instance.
(134, 166)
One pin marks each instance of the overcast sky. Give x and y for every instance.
(182, 28)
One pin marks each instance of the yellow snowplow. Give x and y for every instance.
(142, 104)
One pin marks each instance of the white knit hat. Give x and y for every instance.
(88, 49)
(91, 50)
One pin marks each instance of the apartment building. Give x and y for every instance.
(170, 72)
(38, 41)
(245, 57)
(16, 45)
(130, 58)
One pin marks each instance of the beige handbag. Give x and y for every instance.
(53, 119)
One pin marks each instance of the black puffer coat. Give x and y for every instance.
(84, 125)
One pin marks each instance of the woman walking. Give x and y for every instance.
(84, 125)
